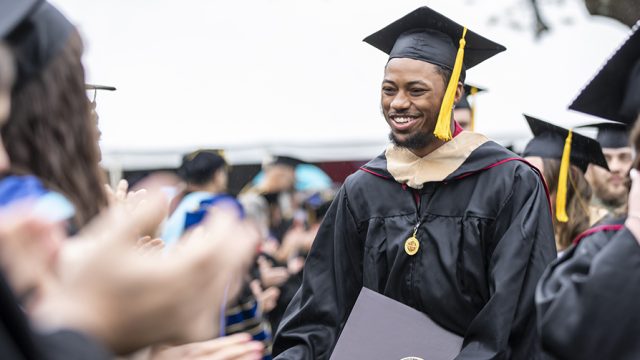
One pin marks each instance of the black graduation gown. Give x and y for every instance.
(588, 300)
(486, 238)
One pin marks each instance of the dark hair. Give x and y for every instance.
(199, 167)
(50, 135)
(578, 199)
(445, 74)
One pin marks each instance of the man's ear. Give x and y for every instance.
(459, 93)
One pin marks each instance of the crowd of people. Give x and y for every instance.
(530, 256)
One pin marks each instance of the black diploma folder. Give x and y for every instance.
(382, 328)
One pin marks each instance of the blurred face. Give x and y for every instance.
(278, 178)
(611, 186)
(463, 117)
(412, 92)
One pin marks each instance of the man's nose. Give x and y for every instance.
(400, 102)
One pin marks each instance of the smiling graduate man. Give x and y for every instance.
(445, 220)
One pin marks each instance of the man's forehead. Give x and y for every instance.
(617, 151)
(409, 66)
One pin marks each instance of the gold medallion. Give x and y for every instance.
(411, 246)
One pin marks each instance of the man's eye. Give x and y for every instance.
(418, 91)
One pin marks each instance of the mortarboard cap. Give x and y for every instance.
(469, 90)
(554, 142)
(549, 141)
(37, 39)
(611, 134)
(95, 89)
(429, 36)
(99, 87)
(614, 93)
(12, 13)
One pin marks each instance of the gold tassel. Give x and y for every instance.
(474, 91)
(443, 125)
(561, 195)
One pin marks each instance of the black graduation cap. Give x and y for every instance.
(614, 93)
(469, 90)
(36, 33)
(549, 142)
(611, 134)
(95, 89)
(429, 36)
(12, 12)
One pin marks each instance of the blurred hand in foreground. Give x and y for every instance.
(129, 301)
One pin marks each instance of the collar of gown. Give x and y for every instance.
(407, 168)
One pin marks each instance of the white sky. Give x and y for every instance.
(269, 73)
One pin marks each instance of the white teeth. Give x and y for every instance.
(402, 120)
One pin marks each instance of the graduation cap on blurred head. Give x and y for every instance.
(614, 93)
(611, 134)
(36, 32)
(429, 36)
(554, 142)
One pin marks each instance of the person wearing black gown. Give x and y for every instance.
(445, 221)
(587, 300)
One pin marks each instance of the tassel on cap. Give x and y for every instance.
(474, 90)
(561, 195)
(443, 125)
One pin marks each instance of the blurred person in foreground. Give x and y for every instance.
(50, 138)
(570, 193)
(445, 220)
(93, 310)
(587, 300)
(89, 302)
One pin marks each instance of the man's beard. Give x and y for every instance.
(606, 196)
(419, 140)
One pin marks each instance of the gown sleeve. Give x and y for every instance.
(587, 301)
(523, 245)
(331, 283)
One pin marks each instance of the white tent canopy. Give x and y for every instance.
(292, 76)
